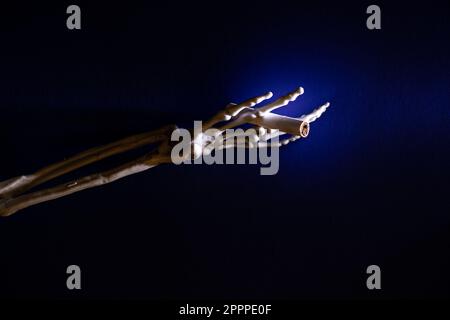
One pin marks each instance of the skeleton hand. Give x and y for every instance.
(267, 125)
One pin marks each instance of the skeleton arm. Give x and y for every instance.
(269, 126)
(24, 183)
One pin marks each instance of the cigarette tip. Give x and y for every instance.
(304, 129)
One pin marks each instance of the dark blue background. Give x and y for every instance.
(368, 186)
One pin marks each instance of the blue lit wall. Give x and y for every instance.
(368, 186)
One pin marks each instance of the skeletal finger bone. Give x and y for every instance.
(283, 101)
(233, 109)
(311, 117)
